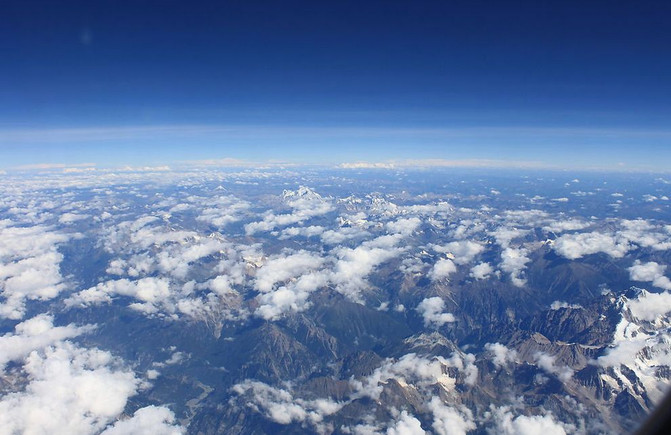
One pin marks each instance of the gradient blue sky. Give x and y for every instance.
(574, 84)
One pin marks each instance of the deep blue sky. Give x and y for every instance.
(585, 83)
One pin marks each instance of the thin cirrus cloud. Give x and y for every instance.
(364, 147)
(134, 132)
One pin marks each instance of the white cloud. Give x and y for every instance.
(281, 407)
(431, 163)
(645, 234)
(176, 260)
(150, 420)
(412, 266)
(649, 306)
(560, 304)
(68, 218)
(311, 231)
(566, 225)
(354, 265)
(501, 355)
(504, 235)
(335, 237)
(547, 363)
(463, 251)
(138, 235)
(151, 292)
(410, 368)
(616, 243)
(29, 267)
(214, 309)
(432, 311)
(507, 424)
(514, 262)
(281, 268)
(223, 210)
(70, 390)
(292, 297)
(442, 269)
(481, 270)
(406, 424)
(34, 334)
(306, 204)
(366, 165)
(651, 272)
(441, 208)
(404, 226)
(574, 246)
(449, 420)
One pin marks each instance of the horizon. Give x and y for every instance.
(567, 85)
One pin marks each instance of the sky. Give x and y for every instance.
(546, 84)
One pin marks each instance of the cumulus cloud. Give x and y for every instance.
(300, 275)
(282, 407)
(501, 355)
(404, 226)
(574, 246)
(440, 209)
(339, 235)
(146, 249)
(649, 306)
(508, 424)
(177, 259)
(29, 267)
(223, 210)
(138, 235)
(291, 297)
(547, 363)
(283, 267)
(645, 234)
(412, 266)
(150, 420)
(34, 334)
(629, 339)
(566, 225)
(505, 235)
(164, 259)
(76, 390)
(213, 309)
(650, 272)
(481, 271)
(431, 310)
(442, 269)
(463, 251)
(68, 218)
(311, 231)
(409, 369)
(561, 304)
(150, 292)
(615, 243)
(514, 262)
(405, 424)
(306, 204)
(354, 265)
(448, 420)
